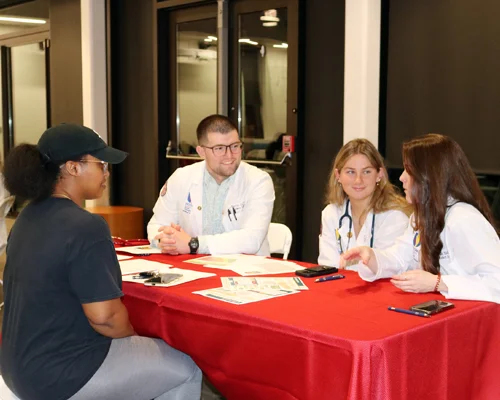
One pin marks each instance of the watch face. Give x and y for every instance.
(193, 245)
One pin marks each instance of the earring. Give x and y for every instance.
(378, 182)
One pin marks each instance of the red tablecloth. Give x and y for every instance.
(335, 341)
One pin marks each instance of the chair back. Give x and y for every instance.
(5, 206)
(280, 239)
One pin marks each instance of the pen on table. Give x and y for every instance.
(329, 278)
(409, 312)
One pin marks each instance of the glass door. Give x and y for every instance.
(263, 92)
(187, 81)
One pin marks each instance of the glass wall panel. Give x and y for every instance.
(196, 78)
(262, 113)
(29, 94)
(263, 62)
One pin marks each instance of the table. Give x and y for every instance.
(124, 221)
(335, 341)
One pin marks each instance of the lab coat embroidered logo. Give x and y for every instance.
(188, 206)
(416, 239)
(416, 247)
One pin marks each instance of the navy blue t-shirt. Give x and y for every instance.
(59, 256)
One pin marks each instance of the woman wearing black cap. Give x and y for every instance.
(66, 333)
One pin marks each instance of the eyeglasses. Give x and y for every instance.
(103, 163)
(221, 149)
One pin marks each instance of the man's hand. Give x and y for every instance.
(173, 240)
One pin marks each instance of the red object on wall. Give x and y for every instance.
(288, 144)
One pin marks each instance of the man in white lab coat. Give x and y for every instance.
(217, 206)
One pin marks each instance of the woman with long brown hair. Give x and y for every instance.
(451, 245)
(363, 207)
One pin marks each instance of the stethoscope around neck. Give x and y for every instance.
(349, 234)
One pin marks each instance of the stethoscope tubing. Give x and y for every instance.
(349, 235)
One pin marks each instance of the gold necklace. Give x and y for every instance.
(61, 196)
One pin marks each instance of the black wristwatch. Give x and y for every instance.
(193, 245)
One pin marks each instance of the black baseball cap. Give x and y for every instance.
(68, 141)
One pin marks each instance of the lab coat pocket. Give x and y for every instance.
(233, 215)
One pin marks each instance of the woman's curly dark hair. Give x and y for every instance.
(28, 175)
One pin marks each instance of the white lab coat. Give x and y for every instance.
(389, 225)
(469, 261)
(251, 195)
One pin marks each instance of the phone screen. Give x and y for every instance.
(433, 306)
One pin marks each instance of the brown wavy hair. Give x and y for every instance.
(439, 169)
(384, 198)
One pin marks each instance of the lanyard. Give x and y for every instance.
(349, 234)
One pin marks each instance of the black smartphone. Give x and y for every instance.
(432, 307)
(147, 274)
(316, 271)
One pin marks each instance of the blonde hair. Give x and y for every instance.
(384, 198)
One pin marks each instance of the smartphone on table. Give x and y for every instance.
(316, 271)
(162, 279)
(432, 307)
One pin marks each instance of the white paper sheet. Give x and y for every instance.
(139, 250)
(224, 260)
(247, 265)
(239, 283)
(243, 296)
(265, 267)
(122, 257)
(130, 267)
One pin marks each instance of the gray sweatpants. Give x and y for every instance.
(141, 368)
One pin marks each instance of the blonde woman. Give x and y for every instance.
(363, 206)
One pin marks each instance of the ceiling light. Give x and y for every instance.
(23, 20)
(281, 46)
(247, 41)
(268, 18)
(269, 24)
